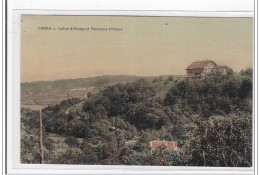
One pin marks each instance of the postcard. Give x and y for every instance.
(136, 90)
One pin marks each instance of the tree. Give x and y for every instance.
(221, 141)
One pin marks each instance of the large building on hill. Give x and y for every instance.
(200, 69)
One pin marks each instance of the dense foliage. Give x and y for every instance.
(211, 119)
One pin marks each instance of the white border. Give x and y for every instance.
(176, 5)
(13, 127)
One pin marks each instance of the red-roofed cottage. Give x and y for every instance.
(168, 144)
(200, 69)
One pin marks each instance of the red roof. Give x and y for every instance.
(199, 64)
(221, 66)
(169, 144)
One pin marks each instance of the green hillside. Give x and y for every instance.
(210, 119)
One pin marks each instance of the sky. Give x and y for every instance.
(144, 46)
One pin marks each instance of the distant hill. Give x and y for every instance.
(40, 94)
(45, 86)
(98, 81)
